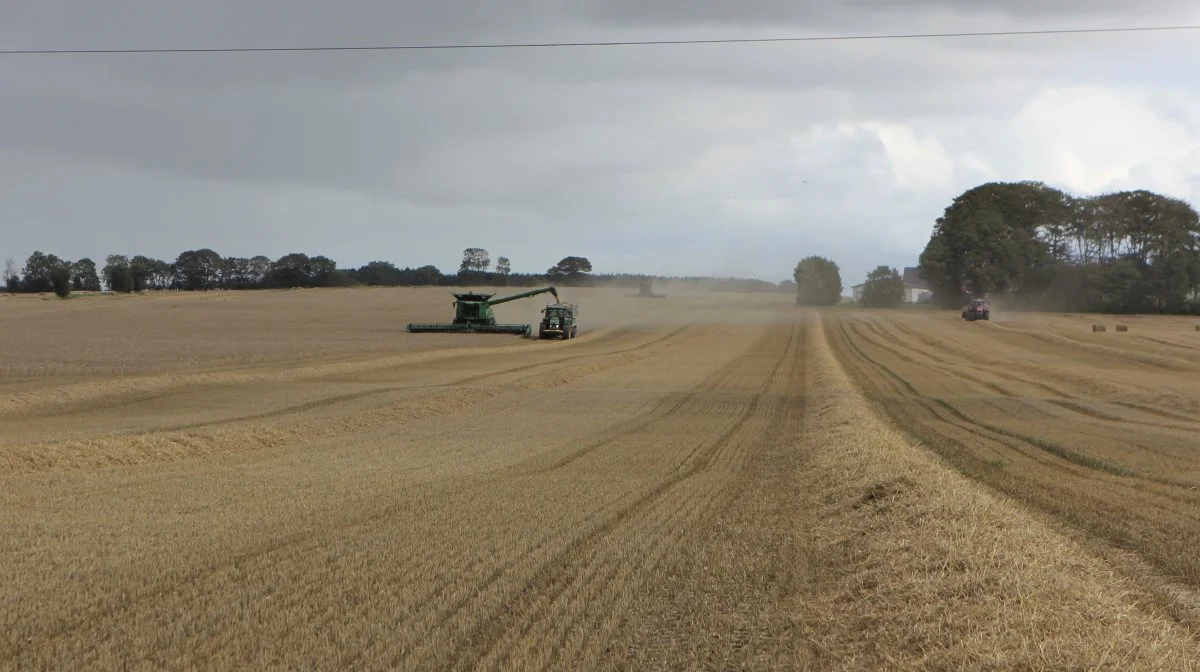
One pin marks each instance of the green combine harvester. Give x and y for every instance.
(473, 315)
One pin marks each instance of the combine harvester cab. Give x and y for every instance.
(558, 321)
(473, 315)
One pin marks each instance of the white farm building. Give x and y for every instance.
(916, 290)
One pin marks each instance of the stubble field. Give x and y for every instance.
(270, 480)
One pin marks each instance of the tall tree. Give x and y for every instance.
(149, 273)
(884, 288)
(257, 270)
(117, 273)
(60, 280)
(199, 270)
(818, 282)
(503, 267)
(12, 281)
(988, 240)
(237, 273)
(322, 272)
(84, 277)
(1130, 251)
(426, 275)
(570, 270)
(378, 273)
(291, 270)
(475, 259)
(38, 274)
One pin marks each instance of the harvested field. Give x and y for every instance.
(288, 480)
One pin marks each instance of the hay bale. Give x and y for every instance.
(1122, 327)
(1099, 327)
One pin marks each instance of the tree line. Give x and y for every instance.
(205, 269)
(1040, 248)
(1034, 247)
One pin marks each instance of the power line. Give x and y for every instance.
(630, 43)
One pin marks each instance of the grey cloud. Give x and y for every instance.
(670, 158)
(861, 12)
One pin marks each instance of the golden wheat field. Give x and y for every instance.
(288, 480)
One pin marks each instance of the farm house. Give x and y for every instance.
(916, 290)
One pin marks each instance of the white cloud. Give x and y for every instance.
(1093, 138)
(918, 164)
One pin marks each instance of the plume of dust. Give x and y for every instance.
(620, 308)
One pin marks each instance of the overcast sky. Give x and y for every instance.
(712, 159)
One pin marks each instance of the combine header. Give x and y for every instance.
(473, 314)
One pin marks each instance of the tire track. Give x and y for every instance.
(1154, 513)
(555, 576)
(998, 366)
(937, 409)
(1170, 344)
(732, 482)
(328, 402)
(287, 374)
(140, 447)
(134, 389)
(273, 551)
(972, 424)
(443, 607)
(1064, 400)
(668, 407)
(1158, 362)
(288, 545)
(446, 599)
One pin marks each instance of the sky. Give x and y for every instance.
(711, 159)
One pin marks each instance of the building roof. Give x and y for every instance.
(911, 279)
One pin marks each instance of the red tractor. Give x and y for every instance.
(977, 309)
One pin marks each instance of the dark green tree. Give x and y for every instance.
(570, 271)
(290, 270)
(84, 277)
(60, 280)
(1129, 251)
(323, 272)
(37, 276)
(149, 273)
(117, 273)
(379, 273)
(426, 275)
(818, 282)
(237, 274)
(475, 259)
(989, 240)
(199, 270)
(884, 288)
(257, 269)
